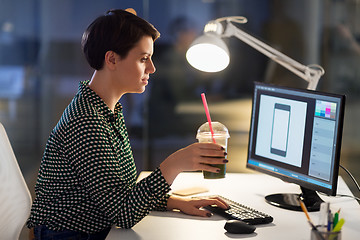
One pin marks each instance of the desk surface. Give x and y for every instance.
(249, 189)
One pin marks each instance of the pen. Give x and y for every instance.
(330, 218)
(336, 219)
(314, 228)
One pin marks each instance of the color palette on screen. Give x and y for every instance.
(325, 109)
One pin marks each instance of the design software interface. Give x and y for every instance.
(294, 133)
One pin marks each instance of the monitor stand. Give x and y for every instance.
(290, 201)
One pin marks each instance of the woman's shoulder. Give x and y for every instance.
(78, 113)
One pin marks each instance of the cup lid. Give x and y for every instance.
(218, 128)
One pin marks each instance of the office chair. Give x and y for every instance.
(15, 198)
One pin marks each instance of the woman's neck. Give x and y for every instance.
(100, 83)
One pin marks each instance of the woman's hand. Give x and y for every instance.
(193, 206)
(194, 157)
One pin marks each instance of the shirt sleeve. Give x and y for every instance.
(107, 180)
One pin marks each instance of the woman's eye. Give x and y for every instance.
(144, 59)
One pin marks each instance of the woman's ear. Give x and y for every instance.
(110, 59)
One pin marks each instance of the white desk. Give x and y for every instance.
(250, 190)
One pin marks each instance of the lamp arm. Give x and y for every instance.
(311, 73)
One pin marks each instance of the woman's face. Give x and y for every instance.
(133, 71)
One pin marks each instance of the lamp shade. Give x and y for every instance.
(208, 53)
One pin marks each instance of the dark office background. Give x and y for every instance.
(41, 65)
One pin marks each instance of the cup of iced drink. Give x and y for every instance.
(221, 135)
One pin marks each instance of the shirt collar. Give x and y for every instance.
(98, 103)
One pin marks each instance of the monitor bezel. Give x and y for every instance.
(339, 132)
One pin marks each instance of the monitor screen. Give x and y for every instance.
(295, 135)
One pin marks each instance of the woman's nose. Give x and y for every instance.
(151, 67)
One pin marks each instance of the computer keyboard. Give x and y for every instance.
(240, 212)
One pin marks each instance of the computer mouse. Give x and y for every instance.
(237, 226)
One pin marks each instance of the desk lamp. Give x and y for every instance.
(209, 52)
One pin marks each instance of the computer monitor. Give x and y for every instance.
(295, 135)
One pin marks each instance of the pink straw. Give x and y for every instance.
(208, 115)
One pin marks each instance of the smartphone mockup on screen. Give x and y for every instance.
(280, 129)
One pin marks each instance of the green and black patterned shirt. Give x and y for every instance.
(87, 177)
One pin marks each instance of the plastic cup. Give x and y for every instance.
(221, 135)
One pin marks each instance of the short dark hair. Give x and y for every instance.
(118, 31)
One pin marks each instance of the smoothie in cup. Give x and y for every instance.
(221, 135)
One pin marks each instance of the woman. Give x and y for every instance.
(87, 177)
